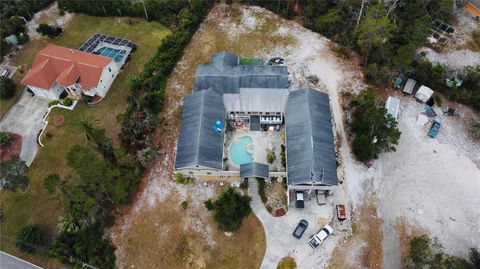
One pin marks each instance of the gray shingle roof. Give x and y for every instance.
(310, 145)
(225, 75)
(198, 143)
(254, 169)
(257, 100)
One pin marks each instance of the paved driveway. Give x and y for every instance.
(8, 261)
(25, 119)
(278, 231)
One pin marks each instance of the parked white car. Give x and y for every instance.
(315, 240)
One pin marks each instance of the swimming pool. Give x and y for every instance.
(241, 150)
(115, 54)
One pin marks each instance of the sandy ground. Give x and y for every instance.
(432, 184)
(49, 16)
(460, 51)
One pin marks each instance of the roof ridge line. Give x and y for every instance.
(200, 127)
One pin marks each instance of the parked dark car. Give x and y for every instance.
(301, 227)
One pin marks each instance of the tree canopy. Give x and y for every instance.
(12, 174)
(29, 238)
(230, 209)
(375, 130)
(7, 88)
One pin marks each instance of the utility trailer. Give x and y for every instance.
(341, 212)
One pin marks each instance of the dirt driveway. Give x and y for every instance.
(25, 119)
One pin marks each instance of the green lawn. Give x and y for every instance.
(35, 206)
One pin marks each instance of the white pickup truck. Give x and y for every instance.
(315, 240)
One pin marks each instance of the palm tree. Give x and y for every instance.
(87, 125)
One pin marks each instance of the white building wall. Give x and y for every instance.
(52, 93)
(109, 74)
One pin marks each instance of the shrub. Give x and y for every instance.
(209, 205)
(283, 156)
(261, 189)
(182, 179)
(438, 100)
(475, 129)
(52, 103)
(244, 184)
(29, 238)
(271, 157)
(47, 30)
(287, 263)
(5, 138)
(50, 183)
(230, 209)
(7, 88)
(67, 102)
(184, 204)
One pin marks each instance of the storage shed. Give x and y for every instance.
(409, 86)
(424, 93)
(392, 105)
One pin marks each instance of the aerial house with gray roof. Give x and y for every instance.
(238, 113)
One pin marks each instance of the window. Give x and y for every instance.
(112, 75)
(109, 69)
(100, 80)
(209, 173)
(190, 172)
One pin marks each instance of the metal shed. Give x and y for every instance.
(409, 86)
(254, 169)
(311, 159)
(424, 93)
(392, 105)
(200, 144)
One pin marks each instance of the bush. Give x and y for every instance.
(209, 205)
(7, 88)
(50, 183)
(230, 209)
(438, 100)
(47, 30)
(52, 103)
(5, 138)
(67, 102)
(182, 179)
(184, 204)
(271, 157)
(244, 184)
(29, 238)
(261, 189)
(287, 263)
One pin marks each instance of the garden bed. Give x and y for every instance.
(13, 148)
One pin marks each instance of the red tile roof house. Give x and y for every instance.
(57, 69)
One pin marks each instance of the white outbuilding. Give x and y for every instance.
(424, 93)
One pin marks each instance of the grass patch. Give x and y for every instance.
(287, 263)
(24, 208)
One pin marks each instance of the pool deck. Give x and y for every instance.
(263, 143)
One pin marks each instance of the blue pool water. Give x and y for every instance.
(111, 53)
(238, 150)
